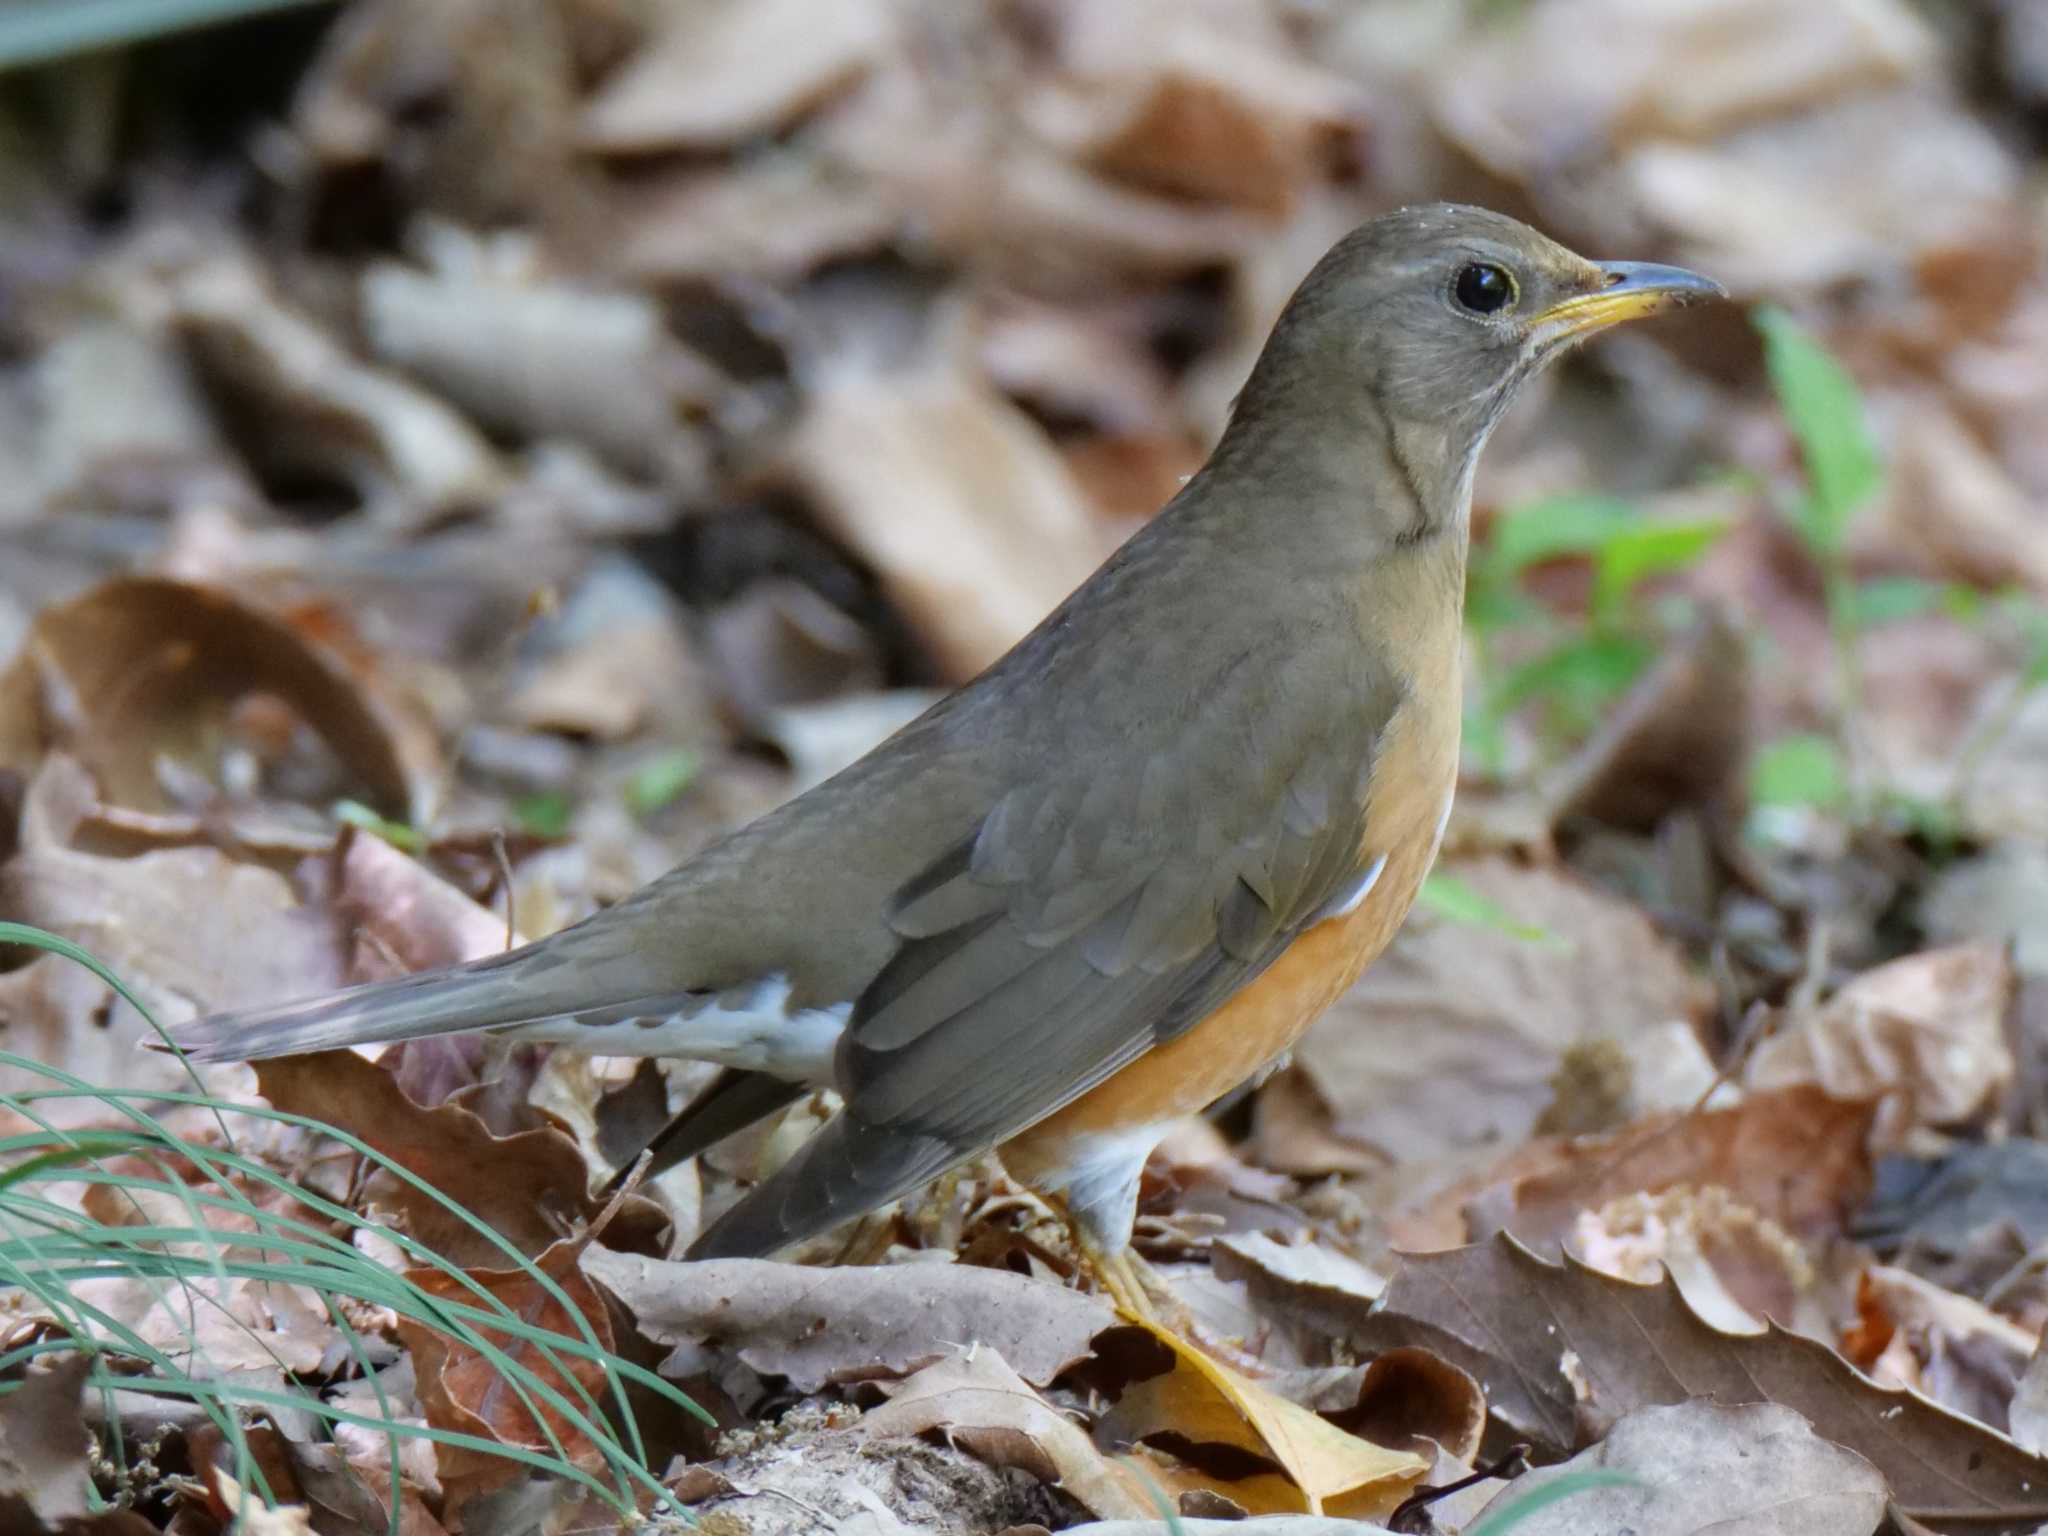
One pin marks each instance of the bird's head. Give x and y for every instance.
(1419, 327)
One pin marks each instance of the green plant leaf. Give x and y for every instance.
(661, 780)
(1510, 1509)
(1888, 599)
(1825, 410)
(1581, 675)
(1551, 529)
(546, 814)
(1805, 770)
(1643, 549)
(396, 833)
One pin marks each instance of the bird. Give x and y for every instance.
(1122, 870)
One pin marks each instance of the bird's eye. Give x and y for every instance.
(1483, 288)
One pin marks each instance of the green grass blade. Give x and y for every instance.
(41, 31)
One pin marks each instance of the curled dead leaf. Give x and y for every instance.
(1197, 1402)
(463, 1389)
(977, 1402)
(531, 1188)
(1925, 1034)
(1565, 1353)
(157, 686)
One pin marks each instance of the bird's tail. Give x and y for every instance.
(523, 986)
(848, 1168)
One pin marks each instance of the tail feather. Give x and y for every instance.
(504, 990)
(733, 1101)
(846, 1170)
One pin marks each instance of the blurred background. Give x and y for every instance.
(543, 433)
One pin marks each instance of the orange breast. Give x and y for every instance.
(1408, 795)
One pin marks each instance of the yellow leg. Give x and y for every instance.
(1117, 1275)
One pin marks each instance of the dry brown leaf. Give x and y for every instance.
(822, 738)
(537, 357)
(1305, 1284)
(818, 1326)
(1733, 1266)
(1199, 100)
(1483, 1017)
(771, 218)
(1603, 71)
(728, 69)
(469, 105)
(399, 910)
(159, 685)
(253, 943)
(1414, 1399)
(320, 409)
(531, 1189)
(981, 194)
(1797, 1156)
(2028, 1411)
(1199, 1401)
(1952, 504)
(1565, 1352)
(977, 1402)
(119, 417)
(1911, 1332)
(463, 1390)
(1925, 1034)
(953, 495)
(45, 1448)
(247, 1512)
(1698, 1468)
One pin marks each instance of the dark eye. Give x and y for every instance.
(1483, 288)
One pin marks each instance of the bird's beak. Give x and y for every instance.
(1632, 290)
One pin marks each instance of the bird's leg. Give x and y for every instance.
(1116, 1272)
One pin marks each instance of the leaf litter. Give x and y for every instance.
(535, 438)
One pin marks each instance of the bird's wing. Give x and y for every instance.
(1094, 913)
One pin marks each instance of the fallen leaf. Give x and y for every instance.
(1565, 1353)
(247, 1512)
(465, 1391)
(1925, 1034)
(817, 1326)
(136, 916)
(45, 1448)
(1699, 1467)
(952, 494)
(119, 414)
(1796, 1155)
(2028, 1411)
(976, 1401)
(1199, 1402)
(1306, 1285)
(534, 356)
(1484, 1016)
(726, 70)
(772, 218)
(1734, 1266)
(321, 410)
(1204, 101)
(151, 682)
(532, 1189)
(822, 738)
(1415, 1400)
(1952, 1349)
